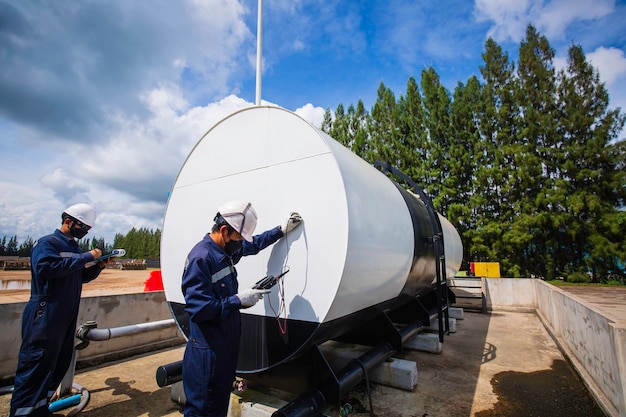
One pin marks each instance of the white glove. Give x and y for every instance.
(292, 222)
(250, 296)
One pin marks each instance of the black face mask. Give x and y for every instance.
(79, 232)
(233, 246)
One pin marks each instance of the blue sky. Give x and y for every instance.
(101, 101)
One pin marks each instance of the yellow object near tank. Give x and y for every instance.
(485, 269)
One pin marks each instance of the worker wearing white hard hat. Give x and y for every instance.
(213, 301)
(82, 218)
(58, 269)
(240, 215)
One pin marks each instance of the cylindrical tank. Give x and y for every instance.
(365, 242)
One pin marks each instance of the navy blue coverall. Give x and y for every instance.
(49, 321)
(210, 361)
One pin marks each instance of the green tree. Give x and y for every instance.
(340, 130)
(327, 122)
(139, 243)
(358, 121)
(589, 175)
(25, 247)
(533, 162)
(497, 125)
(11, 247)
(383, 128)
(465, 115)
(436, 103)
(412, 135)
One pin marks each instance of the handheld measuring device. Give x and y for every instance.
(116, 252)
(268, 281)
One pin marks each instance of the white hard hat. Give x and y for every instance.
(241, 216)
(82, 212)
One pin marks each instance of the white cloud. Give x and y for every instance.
(510, 18)
(551, 18)
(68, 66)
(127, 178)
(555, 16)
(611, 63)
(68, 188)
(99, 103)
(312, 114)
(26, 210)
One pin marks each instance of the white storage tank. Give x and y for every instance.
(364, 246)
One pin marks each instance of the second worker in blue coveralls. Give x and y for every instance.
(213, 301)
(58, 268)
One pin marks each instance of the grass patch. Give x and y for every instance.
(561, 283)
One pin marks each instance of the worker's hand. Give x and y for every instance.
(96, 253)
(292, 222)
(250, 296)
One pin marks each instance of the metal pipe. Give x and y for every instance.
(410, 330)
(88, 330)
(312, 402)
(169, 373)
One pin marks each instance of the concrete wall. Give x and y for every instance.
(594, 344)
(107, 311)
(504, 293)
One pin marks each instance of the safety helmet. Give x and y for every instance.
(240, 215)
(83, 213)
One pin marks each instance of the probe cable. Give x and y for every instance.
(282, 325)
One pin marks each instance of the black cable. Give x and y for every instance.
(282, 327)
(367, 382)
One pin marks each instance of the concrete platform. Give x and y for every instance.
(497, 364)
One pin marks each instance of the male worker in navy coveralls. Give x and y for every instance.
(213, 301)
(49, 320)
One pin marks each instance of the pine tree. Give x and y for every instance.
(465, 113)
(383, 128)
(589, 181)
(412, 136)
(327, 122)
(436, 101)
(497, 122)
(11, 247)
(533, 161)
(358, 129)
(25, 247)
(339, 129)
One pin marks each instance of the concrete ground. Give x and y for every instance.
(497, 364)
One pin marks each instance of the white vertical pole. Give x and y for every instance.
(259, 47)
